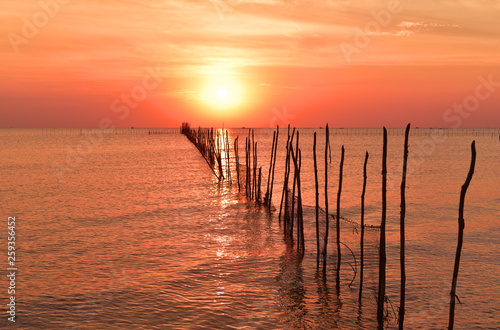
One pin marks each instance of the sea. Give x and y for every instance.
(130, 229)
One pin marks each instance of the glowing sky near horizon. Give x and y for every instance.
(158, 63)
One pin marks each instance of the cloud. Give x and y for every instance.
(407, 28)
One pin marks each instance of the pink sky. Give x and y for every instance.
(158, 63)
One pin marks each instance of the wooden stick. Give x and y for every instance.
(362, 227)
(295, 173)
(402, 233)
(382, 253)
(294, 184)
(461, 226)
(284, 179)
(317, 200)
(266, 197)
(259, 194)
(274, 166)
(246, 166)
(249, 171)
(228, 158)
(249, 166)
(288, 166)
(339, 252)
(237, 156)
(327, 145)
(300, 218)
(254, 179)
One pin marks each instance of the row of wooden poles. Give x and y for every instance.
(214, 147)
(253, 172)
(111, 131)
(291, 208)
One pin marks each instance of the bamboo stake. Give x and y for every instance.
(362, 227)
(382, 255)
(246, 166)
(287, 175)
(237, 153)
(300, 210)
(266, 198)
(274, 166)
(402, 233)
(259, 194)
(288, 167)
(228, 158)
(461, 226)
(237, 156)
(339, 252)
(327, 133)
(294, 183)
(284, 179)
(317, 200)
(249, 173)
(254, 178)
(295, 172)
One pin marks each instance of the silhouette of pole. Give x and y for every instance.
(362, 227)
(402, 233)
(461, 226)
(382, 255)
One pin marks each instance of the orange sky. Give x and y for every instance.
(351, 63)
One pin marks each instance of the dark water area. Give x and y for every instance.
(134, 231)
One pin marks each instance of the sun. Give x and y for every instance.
(222, 93)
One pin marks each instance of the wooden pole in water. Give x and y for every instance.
(294, 184)
(382, 255)
(246, 167)
(258, 190)
(284, 179)
(287, 178)
(317, 200)
(339, 252)
(402, 234)
(295, 173)
(327, 144)
(362, 228)
(300, 210)
(254, 177)
(237, 156)
(461, 226)
(249, 171)
(274, 166)
(228, 158)
(266, 197)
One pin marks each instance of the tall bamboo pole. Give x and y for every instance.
(237, 156)
(362, 228)
(382, 253)
(274, 166)
(317, 200)
(402, 233)
(246, 168)
(300, 210)
(339, 252)
(461, 226)
(284, 179)
(325, 245)
(266, 197)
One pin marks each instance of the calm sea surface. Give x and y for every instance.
(131, 230)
